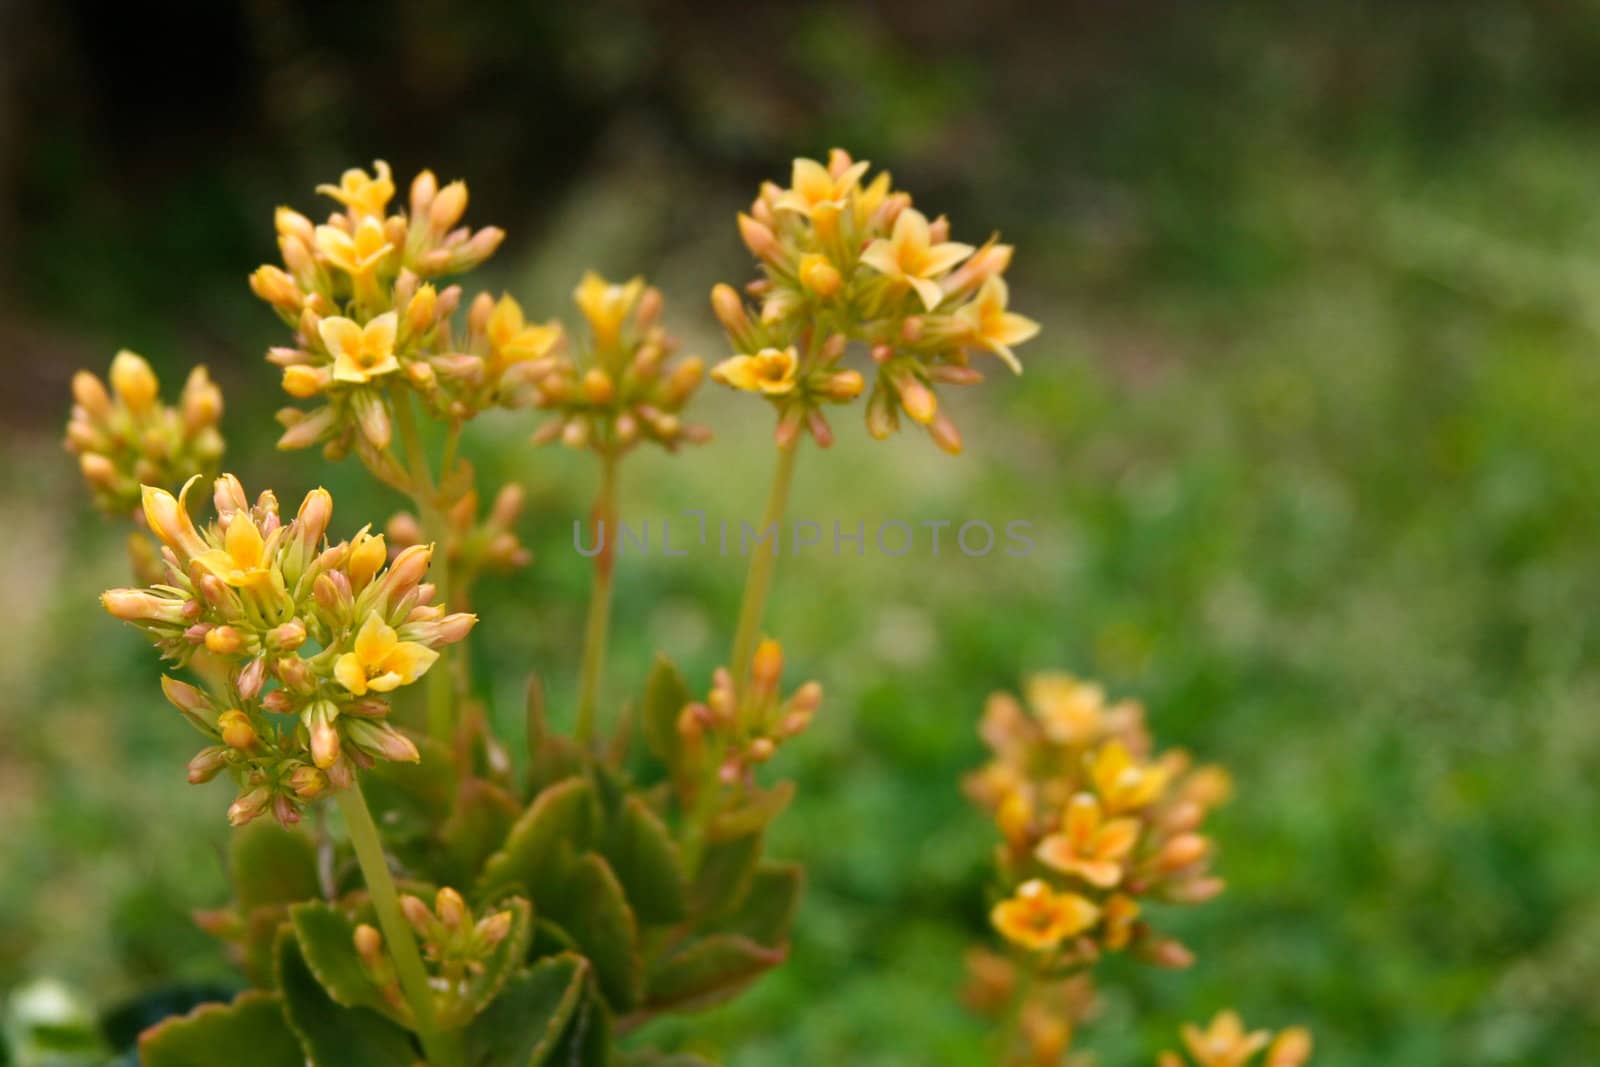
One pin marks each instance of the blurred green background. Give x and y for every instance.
(1307, 446)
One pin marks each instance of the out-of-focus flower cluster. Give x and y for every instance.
(359, 291)
(476, 546)
(738, 728)
(623, 387)
(1094, 826)
(455, 945)
(126, 437)
(1226, 1043)
(1047, 1016)
(300, 642)
(846, 259)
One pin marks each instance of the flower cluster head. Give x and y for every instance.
(455, 945)
(847, 259)
(1225, 1043)
(306, 638)
(623, 387)
(738, 728)
(1094, 826)
(126, 437)
(360, 291)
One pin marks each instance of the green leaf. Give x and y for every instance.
(334, 1036)
(272, 865)
(559, 823)
(708, 971)
(652, 1058)
(726, 871)
(593, 909)
(327, 944)
(665, 696)
(763, 806)
(482, 818)
(413, 796)
(641, 851)
(769, 907)
(521, 1027)
(498, 967)
(250, 1032)
(587, 1040)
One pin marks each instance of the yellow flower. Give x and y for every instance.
(1039, 918)
(360, 353)
(908, 256)
(366, 197)
(1224, 1043)
(1124, 785)
(1089, 845)
(133, 381)
(242, 561)
(991, 327)
(1070, 710)
(606, 304)
(814, 191)
(512, 340)
(357, 254)
(770, 371)
(168, 519)
(380, 661)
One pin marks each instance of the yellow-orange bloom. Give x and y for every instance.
(1070, 710)
(356, 254)
(908, 255)
(1039, 918)
(991, 327)
(242, 562)
(380, 661)
(1123, 784)
(361, 353)
(512, 339)
(771, 371)
(606, 304)
(366, 197)
(814, 191)
(1225, 1043)
(1089, 845)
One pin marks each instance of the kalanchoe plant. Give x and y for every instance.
(517, 912)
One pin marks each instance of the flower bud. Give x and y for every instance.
(491, 931)
(367, 554)
(303, 383)
(407, 570)
(223, 640)
(383, 741)
(368, 944)
(235, 730)
(597, 386)
(89, 394)
(448, 206)
(945, 434)
(759, 239)
(819, 276)
(141, 605)
(450, 908)
(845, 385)
(417, 914)
(249, 805)
(289, 636)
(274, 286)
(207, 764)
(133, 381)
(319, 722)
(423, 310)
(917, 399)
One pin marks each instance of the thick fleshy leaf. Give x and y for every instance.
(524, 1023)
(652, 1058)
(499, 966)
(665, 696)
(708, 971)
(587, 1040)
(482, 818)
(327, 944)
(272, 865)
(551, 757)
(768, 909)
(763, 806)
(561, 822)
(641, 851)
(726, 871)
(331, 1035)
(592, 908)
(250, 1032)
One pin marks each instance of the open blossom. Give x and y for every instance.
(910, 256)
(770, 371)
(367, 196)
(304, 629)
(1039, 918)
(360, 353)
(1226, 1043)
(607, 305)
(991, 327)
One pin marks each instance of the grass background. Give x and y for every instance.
(1306, 444)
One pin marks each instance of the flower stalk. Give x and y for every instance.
(435, 531)
(604, 520)
(758, 579)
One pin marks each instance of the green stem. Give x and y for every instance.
(441, 695)
(604, 520)
(437, 1046)
(758, 580)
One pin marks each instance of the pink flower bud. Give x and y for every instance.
(319, 722)
(249, 805)
(491, 931)
(141, 605)
(383, 741)
(207, 764)
(252, 678)
(417, 914)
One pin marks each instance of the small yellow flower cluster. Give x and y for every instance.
(359, 291)
(1225, 1043)
(738, 728)
(844, 259)
(1093, 826)
(455, 945)
(126, 437)
(475, 547)
(295, 627)
(624, 388)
